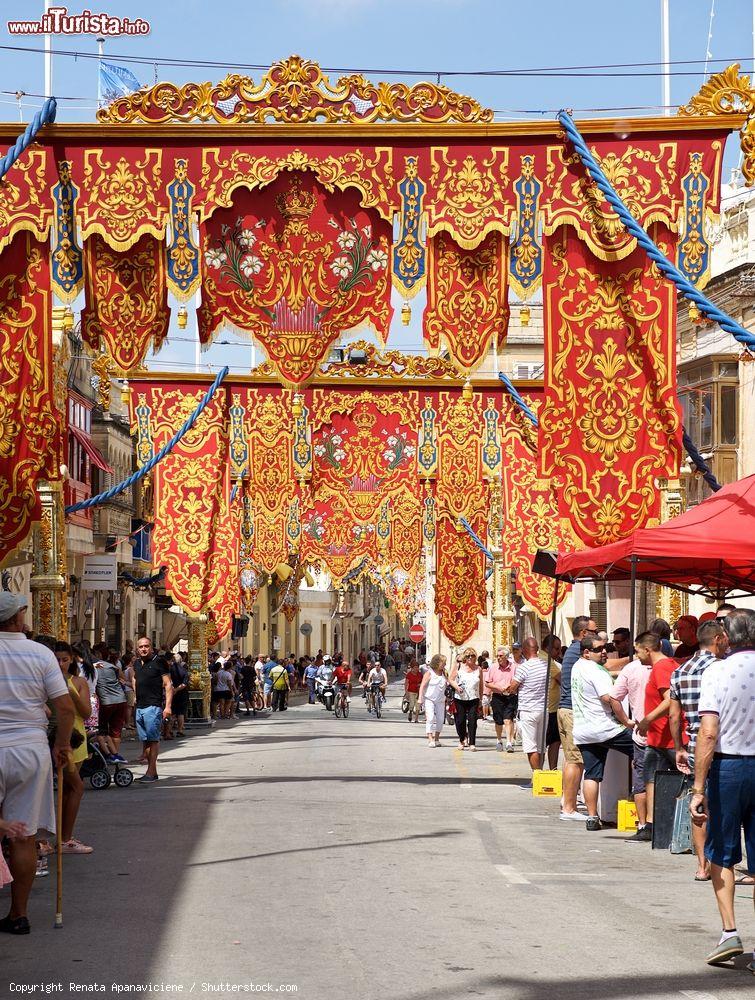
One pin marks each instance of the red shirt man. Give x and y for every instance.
(659, 682)
(413, 679)
(342, 674)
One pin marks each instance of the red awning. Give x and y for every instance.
(711, 546)
(90, 448)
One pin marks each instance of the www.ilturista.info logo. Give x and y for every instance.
(57, 21)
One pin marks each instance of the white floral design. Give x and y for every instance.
(346, 240)
(377, 259)
(341, 267)
(215, 258)
(247, 238)
(319, 450)
(250, 265)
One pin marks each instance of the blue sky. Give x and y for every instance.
(432, 35)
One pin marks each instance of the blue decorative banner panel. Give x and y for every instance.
(410, 251)
(526, 251)
(427, 451)
(183, 253)
(67, 263)
(694, 248)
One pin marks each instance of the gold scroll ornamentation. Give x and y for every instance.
(294, 90)
(122, 200)
(729, 93)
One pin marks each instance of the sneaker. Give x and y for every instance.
(15, 925)
(593, 823)
(499, 746)
(643, 836)
(509, 748)
(146, 779)
(42, 868)
(576, 815)
(75, 847)
(116, 758)
(727, 949)
(473, 748)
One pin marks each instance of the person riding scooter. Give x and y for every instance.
(324, 681)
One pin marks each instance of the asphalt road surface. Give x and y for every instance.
(345, 859)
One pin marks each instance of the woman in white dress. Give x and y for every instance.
(432, 695)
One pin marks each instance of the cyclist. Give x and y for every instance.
(342, 675)
(376, 681)
(364, 673)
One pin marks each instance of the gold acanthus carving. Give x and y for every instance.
(729, 93)
(293, 91)
(387, 364)
(372, 176)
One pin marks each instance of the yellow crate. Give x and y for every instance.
(627, 815)
(547, 783)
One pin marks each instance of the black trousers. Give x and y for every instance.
(466, 719)
(279, 700)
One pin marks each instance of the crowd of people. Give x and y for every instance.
(687, 708)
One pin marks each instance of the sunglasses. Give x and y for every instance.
(598, 649)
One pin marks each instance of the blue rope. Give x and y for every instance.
(471, 532)
(144, 581)
(45, 116)
(166, 449)
(632, 226)
(699, 462)
(511, 390)
(697, 459)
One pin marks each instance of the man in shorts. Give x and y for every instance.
(29, 677)
(724, 792)
(503, 704)
(600, 723)
(573, 765)
(152, 683)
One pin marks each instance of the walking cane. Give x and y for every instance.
(59, 849)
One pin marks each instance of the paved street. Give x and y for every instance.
(345, 858)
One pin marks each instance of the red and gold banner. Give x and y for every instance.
(467, 298)
(195, 535)
(610, 421)
(460, 592)
(126, 300)
(297, 267)
(29, 419)
(365, 495)
(531, 518)
(271, 486)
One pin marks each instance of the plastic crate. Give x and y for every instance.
(547, 784)
(626, 815)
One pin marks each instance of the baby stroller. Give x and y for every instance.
(97, 768)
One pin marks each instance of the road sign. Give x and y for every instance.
(417, 633)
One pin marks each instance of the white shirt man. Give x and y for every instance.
(529, 684)
(600, 723)
(29, 677)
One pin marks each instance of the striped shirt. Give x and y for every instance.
(29, 677)
(531, 676)
(685, 688)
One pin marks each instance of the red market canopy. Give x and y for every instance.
(710, 549)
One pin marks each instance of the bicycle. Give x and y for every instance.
(376, 700)
(341, 706)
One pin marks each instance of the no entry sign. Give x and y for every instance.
(417, 633)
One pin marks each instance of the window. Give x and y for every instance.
(709, 405)
(728, 411)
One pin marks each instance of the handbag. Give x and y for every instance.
(681, 835)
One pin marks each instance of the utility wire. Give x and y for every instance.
(436, 73)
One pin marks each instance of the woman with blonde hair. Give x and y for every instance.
(432, 695)
(467, 681)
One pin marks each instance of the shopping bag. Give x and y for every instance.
(681, 835)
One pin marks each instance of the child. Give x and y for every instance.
(12, 830)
